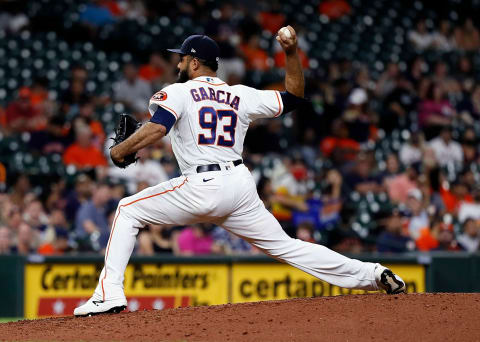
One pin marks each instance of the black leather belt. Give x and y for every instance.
(215, 167)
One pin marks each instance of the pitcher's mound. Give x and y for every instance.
(374, 317)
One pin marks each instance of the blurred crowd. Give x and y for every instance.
(388, 163)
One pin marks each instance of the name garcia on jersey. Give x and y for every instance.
(220, 96)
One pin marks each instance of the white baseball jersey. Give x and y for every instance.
(208, 120)
(212, 118)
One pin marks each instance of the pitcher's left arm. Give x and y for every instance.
(149, 133)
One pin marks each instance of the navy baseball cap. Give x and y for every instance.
(199, 46)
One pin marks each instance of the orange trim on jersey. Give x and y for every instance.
(210, 83)
(169, 109)
(279, 104)
(115, 222)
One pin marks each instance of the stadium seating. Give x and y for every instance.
(374, 35)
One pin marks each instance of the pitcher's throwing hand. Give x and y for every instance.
(287, 37)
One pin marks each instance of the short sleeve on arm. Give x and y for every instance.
(167, 105)
(263, 103)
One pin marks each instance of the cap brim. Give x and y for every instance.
(176, 51)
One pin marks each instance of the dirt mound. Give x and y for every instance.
(375, 317)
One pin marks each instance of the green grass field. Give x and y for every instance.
(6, 319)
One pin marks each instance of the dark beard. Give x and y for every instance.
(182, 76)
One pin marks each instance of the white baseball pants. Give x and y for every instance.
(228, 198)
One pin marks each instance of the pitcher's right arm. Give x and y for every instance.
(294, 79)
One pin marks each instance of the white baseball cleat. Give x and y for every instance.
(389, 281)
(95, 306)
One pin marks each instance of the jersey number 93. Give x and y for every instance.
(209, 118)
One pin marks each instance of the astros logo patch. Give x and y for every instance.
(160, 96)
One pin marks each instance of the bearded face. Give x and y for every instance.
(183, 66)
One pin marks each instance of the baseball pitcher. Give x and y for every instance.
(207, 120)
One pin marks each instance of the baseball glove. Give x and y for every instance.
(125, 128)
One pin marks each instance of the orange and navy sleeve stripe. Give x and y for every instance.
(164, 117)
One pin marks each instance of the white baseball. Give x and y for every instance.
(286, 32)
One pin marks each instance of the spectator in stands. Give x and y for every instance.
(26, 240)
(339, 147)
(392, 167)
(398, 186)
(133, 91)
(398, 105)
(265, 191)
(331, 199)
(446, 241)
(272, 20)
(22, 116)
(86, 116)
(467, 36)
(145, 169)
(391, 239)
(455, 195)
(80, 194)
(73, 97)
(20, 189)
(229, 243)
(387, 81)
(442, 39)
(39, 96)
(58, 246)
(464, 69)
(154, 69)
(447, 151)
(118, 192)
(12, 18)
(5, 240)
(94, 14)
(78, 73)
(155, 239)
(280, 59)
(470, 209)
(411, 151)
(432, 200)
(91, 222)
(334, 9)
(142, 186)
(475, 102)
(469, 240)
(83, 154)
(115, 8)
(255, 57)
(195, 240)
(435, 112)
(468, 177)
(420, 38)
(441, 75)
(427, 237)
(35, 215)
(13, 217)
(231, 69)
(361, 178)
(358, 117)
(289, 188)
(134, 10)
(418, 215)
(305, 232)
(469, 148)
